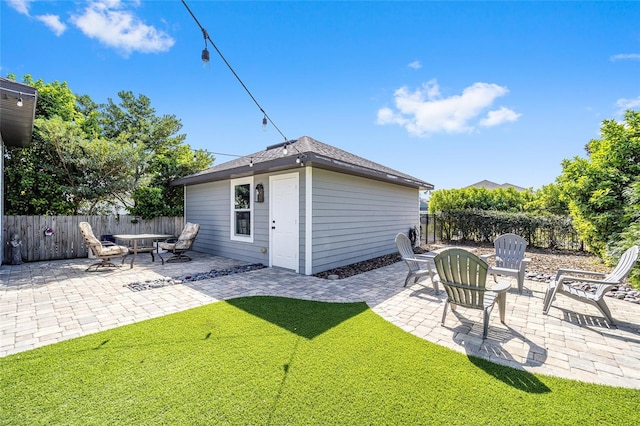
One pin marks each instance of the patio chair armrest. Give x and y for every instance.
(579, 271)
(426, 256)
(419, 260)
(486, 257)
(563, 278)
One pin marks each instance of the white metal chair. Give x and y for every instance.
(509, 257)
(419, 267)
(103, 250)
(571, 285)
(463, 276)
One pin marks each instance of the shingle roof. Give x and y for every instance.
(310, 152)
(492, 185)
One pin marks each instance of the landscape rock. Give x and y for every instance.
(214, 273)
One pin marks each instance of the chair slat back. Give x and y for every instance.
(403, 243)
(624, 266)
(464, 276)
(510, 250)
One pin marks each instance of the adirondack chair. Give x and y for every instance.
(463, 276)
(103, 250)
(571, 285)
(509, 258)
(419, 266)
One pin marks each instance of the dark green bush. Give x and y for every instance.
(546, 231)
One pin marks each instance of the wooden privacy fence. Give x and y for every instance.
(66, 241)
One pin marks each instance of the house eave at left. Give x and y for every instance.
(16, 122)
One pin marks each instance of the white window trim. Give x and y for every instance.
(232, 216)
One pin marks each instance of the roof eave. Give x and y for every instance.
(16, 122)
(310, 159)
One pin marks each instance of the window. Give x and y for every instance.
(242, 209)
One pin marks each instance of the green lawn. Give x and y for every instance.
(269, 360)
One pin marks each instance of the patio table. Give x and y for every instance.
(144, 248)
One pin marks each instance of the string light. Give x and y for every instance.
(205, 52)
(206, 37)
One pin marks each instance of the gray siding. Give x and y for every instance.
(209, 205)
(356, 219)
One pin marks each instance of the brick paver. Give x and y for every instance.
(47, 302)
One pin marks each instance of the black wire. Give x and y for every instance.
(206, 36)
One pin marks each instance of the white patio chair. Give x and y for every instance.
(419, 266)
(463, 276)
(572, 285)
(509, 258)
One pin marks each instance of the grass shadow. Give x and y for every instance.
(304, 318)
(519, 379)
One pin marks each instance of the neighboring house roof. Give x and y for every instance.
(16, 122)
(308, 151)
(492, 185)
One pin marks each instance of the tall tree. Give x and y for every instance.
(161, 151)
(86, 156)
(91, 170)
(594, 186)
(31, 176)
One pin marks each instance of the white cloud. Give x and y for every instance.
(424, 111)
(109, 22)
(626, 104)
(416, 65)
(499, 116)
(53, 22)
(625, 56)
(21, 6)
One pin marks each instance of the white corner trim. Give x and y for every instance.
(308, 227)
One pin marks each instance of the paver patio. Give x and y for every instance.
(47, 302)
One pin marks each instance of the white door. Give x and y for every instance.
(284, 221)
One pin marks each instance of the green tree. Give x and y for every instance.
(631, 235)
(32, 178)
(499, 199)
(159, 198)
(91, 170)
(163, 156)
(87, 156)
(548, 200)
(595, 186)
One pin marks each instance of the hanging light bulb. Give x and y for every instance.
(205, 55)
(251, 163)
(264, 123)
(284, 150)
(19, 103)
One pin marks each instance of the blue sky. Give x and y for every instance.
(448, 92)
